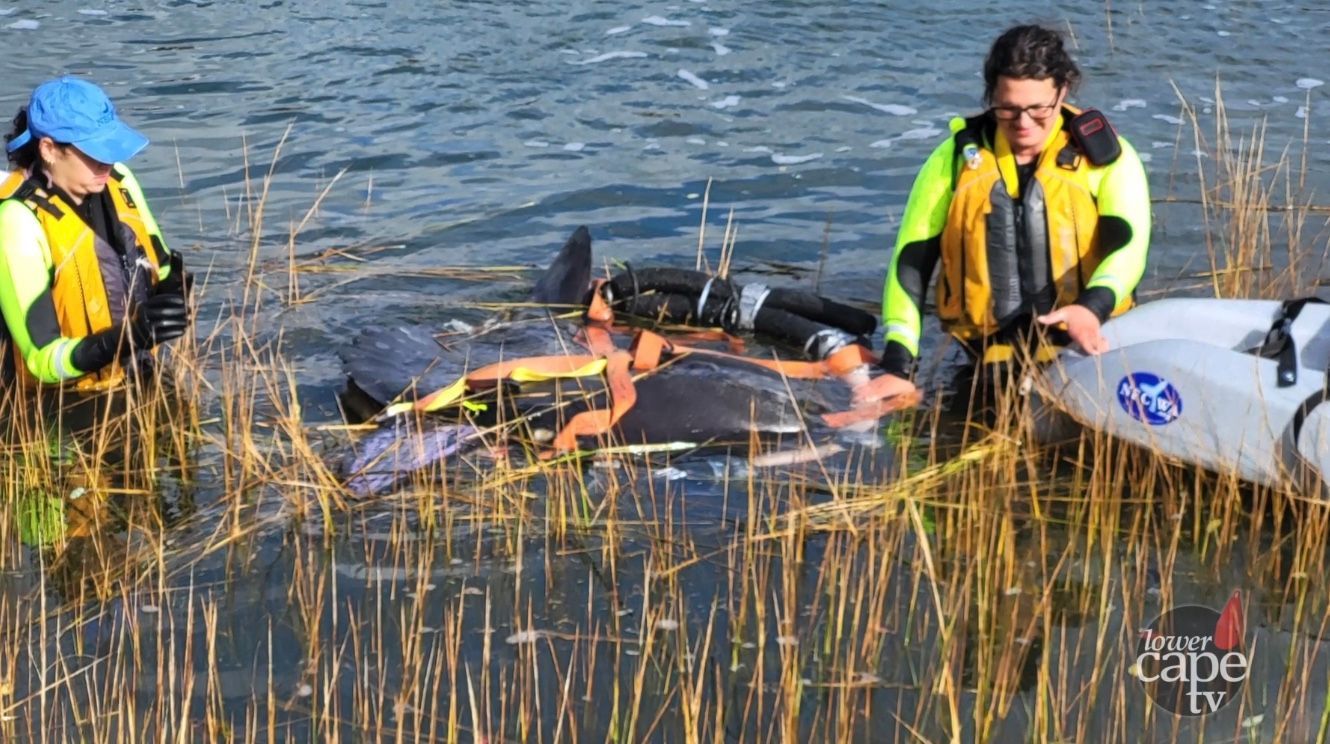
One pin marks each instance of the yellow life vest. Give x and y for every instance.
(82, 305)
(967, 293)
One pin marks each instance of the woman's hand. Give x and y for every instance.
(1082, 325)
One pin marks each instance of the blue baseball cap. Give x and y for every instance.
(76, 112)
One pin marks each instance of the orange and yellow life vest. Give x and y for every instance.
(970, 297)
(82, 304)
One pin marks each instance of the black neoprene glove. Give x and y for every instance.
(161, 318)
(178, 281)
(99, 349)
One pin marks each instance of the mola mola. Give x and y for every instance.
(571, 374)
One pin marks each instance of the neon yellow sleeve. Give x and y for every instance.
(1123, 192)
(25, 270)
(921, 227)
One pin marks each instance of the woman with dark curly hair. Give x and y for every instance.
(1038, 212)
(86, 281)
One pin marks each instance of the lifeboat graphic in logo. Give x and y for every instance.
(1148, 397)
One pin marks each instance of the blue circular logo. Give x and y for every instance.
(1150, 398)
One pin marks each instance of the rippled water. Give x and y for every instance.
(483, 132)
(499, 126)
(488, 130)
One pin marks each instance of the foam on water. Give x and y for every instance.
(895, 109)
(1308, 83)
(92, 12)
(920, 133)
(575, 146)
(607, 56)
(780, 159)
(726, 102)
(693, 80)
(8, 11)
(1128, 103)
(661, 21)
(24, 25)
(670, 474)
(618, 30)
(1167, 118)
(720, 49)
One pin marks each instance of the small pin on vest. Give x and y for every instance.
(974, 157)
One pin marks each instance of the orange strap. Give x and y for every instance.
(598, 339)
(599, 311)
(839, 363)
(645, 355)
(849, 358)
(647, 349)
(599, 421)
(735, 343)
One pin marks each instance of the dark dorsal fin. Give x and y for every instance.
(568, 277)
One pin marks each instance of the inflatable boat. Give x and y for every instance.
(1235, 386)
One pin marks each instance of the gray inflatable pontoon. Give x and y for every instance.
(1207, 382)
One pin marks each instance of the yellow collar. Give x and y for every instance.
(1007, 161)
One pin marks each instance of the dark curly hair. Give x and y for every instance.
(1030, 52)
(25, 156)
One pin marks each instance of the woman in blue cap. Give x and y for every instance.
(86, 281)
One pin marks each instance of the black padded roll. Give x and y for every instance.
(852, 320)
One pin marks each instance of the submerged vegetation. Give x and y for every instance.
(195, 571)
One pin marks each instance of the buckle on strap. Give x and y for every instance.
(1278, 343)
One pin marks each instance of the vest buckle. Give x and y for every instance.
(1069, 158)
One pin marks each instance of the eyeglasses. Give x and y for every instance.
(1038, 112)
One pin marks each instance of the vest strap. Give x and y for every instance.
(1278, 343)
(32, 194)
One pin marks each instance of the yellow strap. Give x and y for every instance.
(452, 393)
(432, 402)
(1007, 165)
(527, 374)
(1046, 353)
(998, 353)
